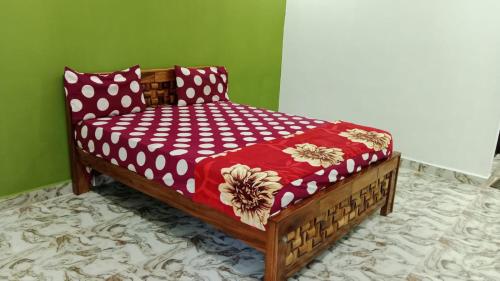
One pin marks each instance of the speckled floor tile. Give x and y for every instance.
(42, 194)
(470, 249)
(440, 229)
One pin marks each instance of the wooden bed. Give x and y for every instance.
(294, 236)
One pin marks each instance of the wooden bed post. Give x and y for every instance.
(274, 265)
(79, 176)
(389, 205)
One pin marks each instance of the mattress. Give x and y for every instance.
(165, 143)
(169, 144)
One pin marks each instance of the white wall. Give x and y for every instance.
(428, 71)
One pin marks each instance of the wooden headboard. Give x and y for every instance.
(159, 86)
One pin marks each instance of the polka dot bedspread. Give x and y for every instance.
(288, 157)
(165, 143)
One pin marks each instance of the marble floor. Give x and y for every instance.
(441, 229)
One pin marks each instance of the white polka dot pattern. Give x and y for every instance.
(170, 140)
(94, 95)
(203, 85)
(286, 199)
(350, 165)
(165, 144)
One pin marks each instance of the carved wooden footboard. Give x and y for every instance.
(302, 231)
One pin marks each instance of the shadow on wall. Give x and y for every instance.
(497, 151)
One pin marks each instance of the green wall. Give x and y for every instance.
(39, 37)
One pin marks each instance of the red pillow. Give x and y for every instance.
(201, 85)
(93, 95)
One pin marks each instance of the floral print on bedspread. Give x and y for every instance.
(252, 183)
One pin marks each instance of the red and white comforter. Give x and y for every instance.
(246, 162)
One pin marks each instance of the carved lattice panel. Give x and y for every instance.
(159, 87)
(312, 233)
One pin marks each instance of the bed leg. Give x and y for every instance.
(274, 259)
(79, 176)
(389, 203)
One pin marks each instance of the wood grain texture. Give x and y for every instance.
(333, 218)
(159, 86)
(294, 236)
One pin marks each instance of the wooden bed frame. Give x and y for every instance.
(295, 235)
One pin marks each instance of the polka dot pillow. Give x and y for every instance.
(201, 85)
(98, 95)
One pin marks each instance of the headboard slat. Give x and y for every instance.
(159, 86)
